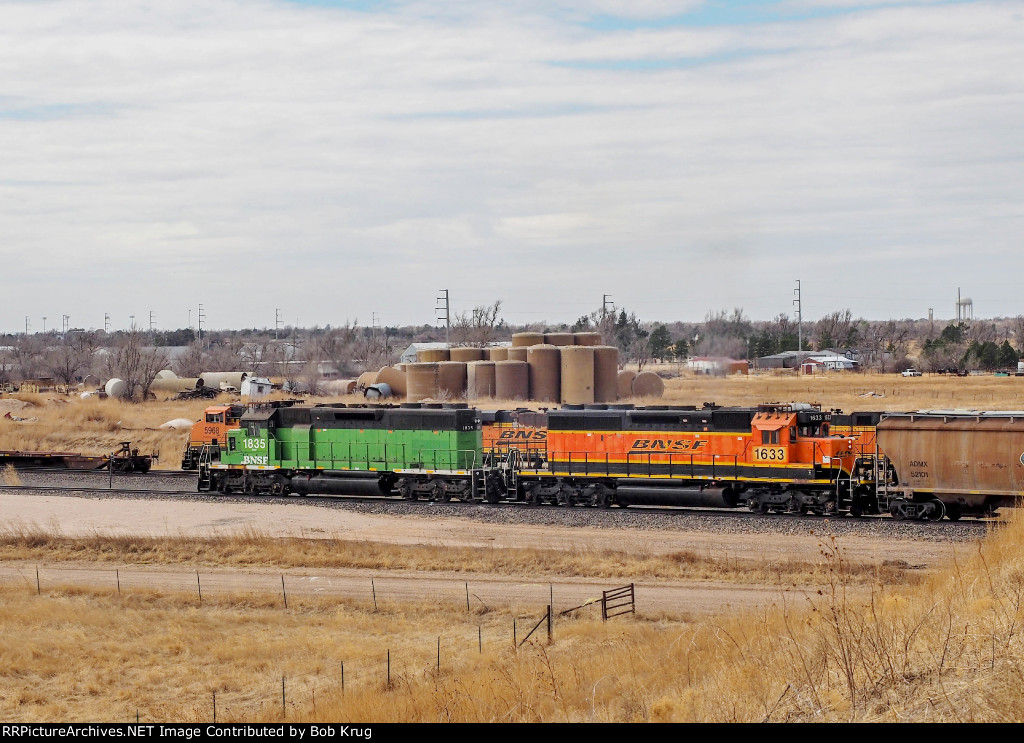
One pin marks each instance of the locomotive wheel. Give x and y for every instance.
(530, 494)
(763, 507)
(938, 510)
(563, 497)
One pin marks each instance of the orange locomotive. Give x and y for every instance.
(522, 430)
(210, 432)
(773, 457)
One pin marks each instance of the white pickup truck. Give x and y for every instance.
(911, 373)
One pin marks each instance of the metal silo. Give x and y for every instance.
(559, 339)
(522, 340)
(545, 368)
(577, 375)
(517, 354)
(467, 354)
(432, 355)
(606, 373)
(451, 379)
(480, 380)
(421, 381)
(589, 338)
(511, 380)
(499, 353)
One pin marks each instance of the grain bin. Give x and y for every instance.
(432, 355)
(522, 340)
(648, 384)
(421, 381)
(577, 374)
(545, 371)
(394, 379)
(517, 354)
(366, 379)
(606, 373)
(467, 354)
(587, 339)
(511, 380)
(559, 339)
(451, 379)
(480, 379)
(499, 353)
(625, 383)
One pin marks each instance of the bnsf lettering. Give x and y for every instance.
(667, 445)
(524, 435)
(249, 459)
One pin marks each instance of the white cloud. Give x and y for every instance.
(259, 155)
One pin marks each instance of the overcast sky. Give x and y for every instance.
(345, 160)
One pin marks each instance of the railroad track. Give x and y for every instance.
(634, 516)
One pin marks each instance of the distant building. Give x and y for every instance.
(716, 366)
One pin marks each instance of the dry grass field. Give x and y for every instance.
(946, 646)
(946, 649)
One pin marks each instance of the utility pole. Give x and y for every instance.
(26, 324)
(65, 322)
(106, 322)
(131, 322)
(202, 316)
(151, 321)
(44, 324)
(606, 301)
(444, 313)
(799, 318)
(277, 322)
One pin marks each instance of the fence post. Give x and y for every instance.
(343, 678)
(467, 595)
(117, 573)
(284, 592)
(38, 589)
(515, 640)
(604, 606)
(480, 637)
(200, 587)
(549, 623)
(439, 653)
(389, 668)
(215, 706)
(374, 589)
(284, 712)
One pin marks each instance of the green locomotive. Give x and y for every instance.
(433, 451)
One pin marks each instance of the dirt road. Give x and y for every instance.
(76, 516)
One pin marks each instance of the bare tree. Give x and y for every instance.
(190, 364)
(69, 358)
(135, 365)
(477, 327)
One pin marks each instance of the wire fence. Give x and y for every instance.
(293, 694)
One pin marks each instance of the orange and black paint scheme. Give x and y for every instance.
(523, 430)
(210, 431)
(774, 456)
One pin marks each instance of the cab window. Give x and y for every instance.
(214, 417)
(770, 437)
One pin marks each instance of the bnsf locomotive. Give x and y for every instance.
(793, 458)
